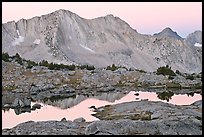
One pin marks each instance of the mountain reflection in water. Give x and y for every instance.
(70, 102)
(72, 108)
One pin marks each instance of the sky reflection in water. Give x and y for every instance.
(80, 108)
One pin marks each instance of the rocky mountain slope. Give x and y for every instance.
(195, 37)
(64, 37)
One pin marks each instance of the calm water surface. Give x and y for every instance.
(73, 108)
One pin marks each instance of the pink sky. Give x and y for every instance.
(145, 17)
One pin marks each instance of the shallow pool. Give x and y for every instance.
(72, 108)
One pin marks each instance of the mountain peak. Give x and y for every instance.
(110, 15)
(62, 11)
(167, 29)
(65, 37)
(168, 32)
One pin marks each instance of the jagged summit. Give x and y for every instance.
(65, 37)
(168, 32)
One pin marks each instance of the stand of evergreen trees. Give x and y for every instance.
(51, 66)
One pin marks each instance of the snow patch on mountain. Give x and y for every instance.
(37, 41)
(85, 47)
(198, 45)
(18, 33)
(18, 40)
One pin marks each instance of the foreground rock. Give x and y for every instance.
(47, 128)
(132, 118)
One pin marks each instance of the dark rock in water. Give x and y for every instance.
(136, 94)
(92, 107)
(81, 119)
(63, 119)
(36, 106)
(25, 109)
(17, 111)
(32, 108)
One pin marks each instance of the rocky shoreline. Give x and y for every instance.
(40, 83)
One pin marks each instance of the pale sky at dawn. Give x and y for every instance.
(145, 17)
